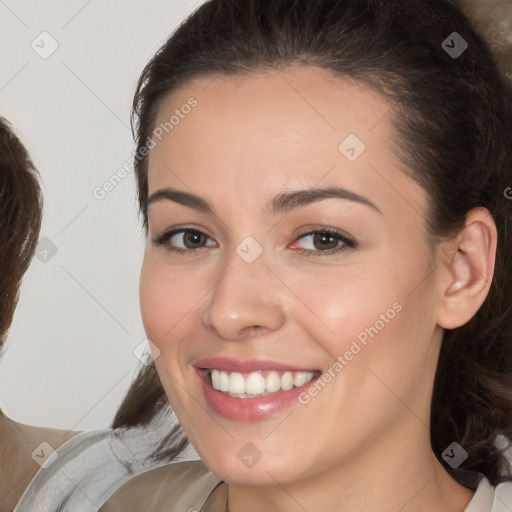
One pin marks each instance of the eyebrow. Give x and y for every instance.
(284, 202)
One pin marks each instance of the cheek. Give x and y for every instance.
(166, 298)
(336, 306)
(167, 306)
(153, 302)
(383, 308)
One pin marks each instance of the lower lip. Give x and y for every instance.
(249, 409)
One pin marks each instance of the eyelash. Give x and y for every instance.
(347, 242)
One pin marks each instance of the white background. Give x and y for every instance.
(69, 360)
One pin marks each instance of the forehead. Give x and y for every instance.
(270, 130)
(272, 110)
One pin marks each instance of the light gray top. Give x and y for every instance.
(91, 465)
(491, 499)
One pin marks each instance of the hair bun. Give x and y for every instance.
(494, 21)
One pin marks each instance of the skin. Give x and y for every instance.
(17, 467)
(249, 139)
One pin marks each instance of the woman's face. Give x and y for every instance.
(303, 255)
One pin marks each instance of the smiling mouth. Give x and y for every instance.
(256, 384)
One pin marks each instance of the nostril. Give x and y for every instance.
(252, 329)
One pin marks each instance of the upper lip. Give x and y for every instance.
(246, 366)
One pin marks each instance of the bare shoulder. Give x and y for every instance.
(20, 446)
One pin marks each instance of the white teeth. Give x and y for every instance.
(273, 382)
(299, 380)
(255, 384)
(236, 383)
(223, 382)
(216, 379)
(287, 381)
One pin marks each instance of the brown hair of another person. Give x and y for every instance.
(21, 206)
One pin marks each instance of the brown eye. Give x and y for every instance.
(183, 240)
(192, 239)
(325, 241)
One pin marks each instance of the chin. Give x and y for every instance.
(246, 465)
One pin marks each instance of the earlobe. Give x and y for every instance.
(469, 269)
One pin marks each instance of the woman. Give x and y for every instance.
(327, 275)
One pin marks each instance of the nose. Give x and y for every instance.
(245, 301)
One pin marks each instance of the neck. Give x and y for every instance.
(408, 478)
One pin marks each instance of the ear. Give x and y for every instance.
(467, 269)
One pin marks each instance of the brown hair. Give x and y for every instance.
(453, 119)
(20, 220)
